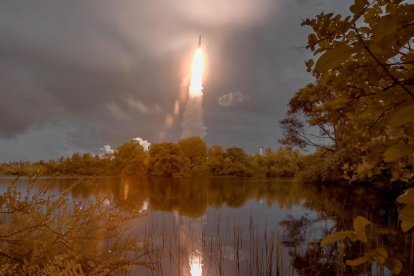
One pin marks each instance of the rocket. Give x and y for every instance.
(199, 41)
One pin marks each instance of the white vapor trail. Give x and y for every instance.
(193, 120)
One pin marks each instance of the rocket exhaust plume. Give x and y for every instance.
(193, 121)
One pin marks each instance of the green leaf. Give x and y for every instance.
(333, 58)
(396, 152)
(394, 265)
(407, 197)
(359, 225)
(379, 254)
(358, 261)
(402, 116)
(405, 226)
(331, 238)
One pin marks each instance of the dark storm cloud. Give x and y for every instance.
(79, 74)
(266, 62)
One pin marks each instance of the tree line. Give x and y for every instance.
(189, 157)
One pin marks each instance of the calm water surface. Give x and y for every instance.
(234, 226)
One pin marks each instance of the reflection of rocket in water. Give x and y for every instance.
(191, 245)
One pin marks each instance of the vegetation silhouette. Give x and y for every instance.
(359, 112)
(359, 116)
(188, 158)
(42, 233)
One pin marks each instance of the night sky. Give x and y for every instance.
(77, 75)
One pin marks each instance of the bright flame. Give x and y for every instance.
(196, 267)
(196, 85)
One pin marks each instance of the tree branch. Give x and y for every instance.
(382, 65)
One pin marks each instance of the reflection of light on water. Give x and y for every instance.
(106, 202)
(144, 206)
(196, 267)
(190, 243)
(126, 190)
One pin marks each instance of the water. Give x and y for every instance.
(206, 226)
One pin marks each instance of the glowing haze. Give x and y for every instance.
(196, 84)
(76, 74)
(193, 121)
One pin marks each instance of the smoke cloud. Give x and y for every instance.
(193, 121)
(231, 98)
(144, 143)
(107, 149)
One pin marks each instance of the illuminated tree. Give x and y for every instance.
(362, 103)
(194, 150)
(215, 160)
(129, 158)
(44, 234)
(165, 159)
(236, 162)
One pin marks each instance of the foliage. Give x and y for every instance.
(236, 162)
(215, 160)
(188, 157)
(407, 212)
(194, 150)
(77, 164)
(283, 162)
(42, 233)
(363, 100)
(129, 158)
(359, 233)
(165, 159)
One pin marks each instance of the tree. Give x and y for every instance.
(236, 162)
(165, 159)
(194, 150)
(282, 163)
(362, 103)
(129, 158)
(45, 234)
(215, 160)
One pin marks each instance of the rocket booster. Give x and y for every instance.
(199, 41)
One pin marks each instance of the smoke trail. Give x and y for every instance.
(193, 121)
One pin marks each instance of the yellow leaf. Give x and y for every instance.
(331, 238)
(372, 160)
(396, 152)
(394, 265)
(402, 116)
(383, 35)
(407, 197)
(359, 225)
(405, 225)
(407, 213)
(379, 254)
(333, 58)
(358, 261)
(364, 30)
